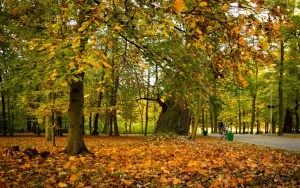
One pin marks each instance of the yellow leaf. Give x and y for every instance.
(62, 184)
(209, 28)
(72, 158)
(176, 181)
(84, 26)
(179, 5)
(65, 84)
(165, 33)
(72, 64)
(106, 65)
(126, 182)
(264, 45)
(224, 7)
(150, 32)
(203, 4)
(95, 63)
(53, 75)
(81, 69)
(76, 42)
(198, 31)
(118, 28)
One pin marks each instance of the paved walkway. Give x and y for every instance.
(291, 144)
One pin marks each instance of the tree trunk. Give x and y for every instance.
(147, 104)
(288, 122)
(130, 126)
(175, 117)
(48, 128)
(280, 91)
(203, 120)
(106, 123)
(75, 142)
(29, 124)
(53, 129)
(58, 123)
(240, 119)
(253, 113)
(9, 115)
(198, 113)
(266, 125)
(4, 120)
(96, 118)
(297, 126)
(212, 122)
(215, 122)
(116, 128)
(90, 123)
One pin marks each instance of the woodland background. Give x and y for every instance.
(148, 66)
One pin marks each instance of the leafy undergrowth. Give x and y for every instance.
(132, 161)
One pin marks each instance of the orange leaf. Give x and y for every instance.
(73, 177)
(179, 5)
(242, 42)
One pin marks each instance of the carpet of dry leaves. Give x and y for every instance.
(155, 161)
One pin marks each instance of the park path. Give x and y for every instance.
(274, 141)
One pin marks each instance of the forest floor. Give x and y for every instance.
(153, 161)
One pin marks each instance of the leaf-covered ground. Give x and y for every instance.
(133, 161)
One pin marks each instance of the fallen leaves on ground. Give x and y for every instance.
(156, 161)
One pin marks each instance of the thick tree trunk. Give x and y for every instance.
(75, 142)
(175, 117)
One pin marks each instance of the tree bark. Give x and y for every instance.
(297, 126)
(288, 121)
(253, 113)
(280, 91)
(48, 128)
(29, 124)
(76, 144)
(175, 117)
(58, 123)
(96, 118)
(4, 120)
(198, 113)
